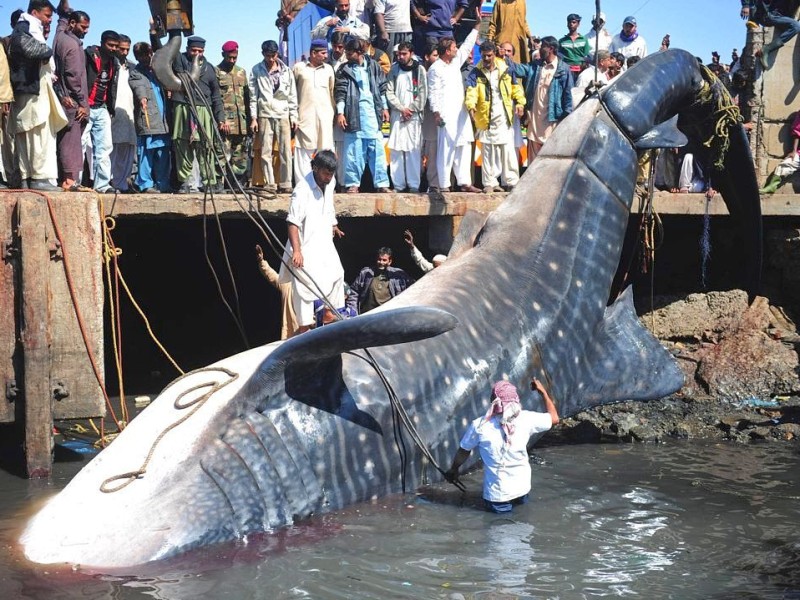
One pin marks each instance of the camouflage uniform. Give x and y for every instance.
(236, 105)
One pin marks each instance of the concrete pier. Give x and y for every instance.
(455, 204)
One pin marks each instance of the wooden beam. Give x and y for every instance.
(35, 335)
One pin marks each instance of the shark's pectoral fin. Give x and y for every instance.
(309, 366)
(663, 135)
(320, 384)
(625, 361)
(398, 326)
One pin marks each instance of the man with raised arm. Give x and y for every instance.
(501, 436)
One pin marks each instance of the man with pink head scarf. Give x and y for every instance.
(501, 436)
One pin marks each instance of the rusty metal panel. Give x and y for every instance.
(8, 307)
(76, 392)
(172, 14)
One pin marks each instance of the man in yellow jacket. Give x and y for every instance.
(492, 98)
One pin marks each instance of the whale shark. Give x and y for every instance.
(262, 439)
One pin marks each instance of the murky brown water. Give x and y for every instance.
(683, 520)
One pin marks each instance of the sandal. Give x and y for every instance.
(75, 187)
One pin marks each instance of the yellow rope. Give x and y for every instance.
(102, 440)
(147, 325)
(109, 224)
(108, 253)
(715, 128)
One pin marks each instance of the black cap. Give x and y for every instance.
(195, 42)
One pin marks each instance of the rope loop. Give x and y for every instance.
(195, 405)
(127, 478)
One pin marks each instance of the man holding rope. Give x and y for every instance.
(188, 126)
(316, 271)
(501, 437)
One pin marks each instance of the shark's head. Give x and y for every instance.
(214, 457)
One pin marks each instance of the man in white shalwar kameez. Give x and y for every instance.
(314, 81)
(312, 227)
(446, 92)
(406, 92)
(36, 118)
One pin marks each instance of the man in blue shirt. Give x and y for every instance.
(434, 20)
(361, 110)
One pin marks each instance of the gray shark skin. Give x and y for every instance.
(305, 426)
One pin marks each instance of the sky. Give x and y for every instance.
(699, 26)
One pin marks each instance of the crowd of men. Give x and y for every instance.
(89, 116)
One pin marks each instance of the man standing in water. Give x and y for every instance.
(501, 437)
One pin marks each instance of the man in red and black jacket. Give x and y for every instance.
(102, 69)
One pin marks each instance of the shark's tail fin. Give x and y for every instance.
(625, 361)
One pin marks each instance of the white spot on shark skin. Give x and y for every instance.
(578, 283)
(478, 368)
(464, 421)
(560, 333)
(577, 360)
(537, 306)
(562, 225)
(362, 437)
(437, 408)
(447, 379)
(553, 266)
(589, 236)
(438, 360)
(541, 326)
(369, 467)
(409, 358)
(304, 423)
(580, 385)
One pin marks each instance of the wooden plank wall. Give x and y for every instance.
(43, 349)
(8, 309)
